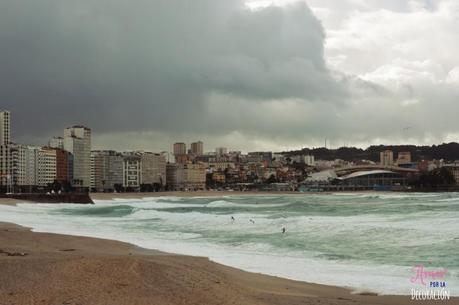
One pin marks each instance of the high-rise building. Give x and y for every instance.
(386, 158)
(5, 165)
(56, 142)
(197, 148)
(46, 166)
(26, 170)
(5, 127)
(153, 168)
(77, 141)
(179, 149)
(221, 151)
(6, 160)
(63, 166)
(106, 170)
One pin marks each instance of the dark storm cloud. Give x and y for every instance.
(123, 66)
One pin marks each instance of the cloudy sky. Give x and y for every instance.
(248, 75)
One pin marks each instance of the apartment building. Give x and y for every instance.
(132, 170)
(186, 177)
(46, 166)
(197, 148)
(106, 170)
(153, 169)
(77, 141)
(5, 127)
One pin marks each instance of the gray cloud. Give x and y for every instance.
(121, 66)
(144, 74)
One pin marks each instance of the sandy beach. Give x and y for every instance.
(41, 268)
(9, 201)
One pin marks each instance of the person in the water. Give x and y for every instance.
(283, 230)
(232, 219)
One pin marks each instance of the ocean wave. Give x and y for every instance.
(328, 238)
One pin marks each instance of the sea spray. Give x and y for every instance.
(365, 241)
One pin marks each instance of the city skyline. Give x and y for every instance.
(222, 152)
(274, 78)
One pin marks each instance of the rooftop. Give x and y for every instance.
(366, 173)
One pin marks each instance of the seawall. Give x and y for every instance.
(78, 198)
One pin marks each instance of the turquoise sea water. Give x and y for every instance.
(366, 241)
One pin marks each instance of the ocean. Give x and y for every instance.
(366, 241)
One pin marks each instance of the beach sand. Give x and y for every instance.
(10, 201)
(41, 268)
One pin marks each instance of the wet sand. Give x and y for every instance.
(10, 201)
(41, 268)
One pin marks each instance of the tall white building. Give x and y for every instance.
(5, 127)
(27, 171)
(46, 166)
(77, 141)
(132, 171)
(6, 160)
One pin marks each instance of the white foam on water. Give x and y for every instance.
(181, 233)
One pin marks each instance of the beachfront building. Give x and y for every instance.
(77, 141)
(373, 179)
(6, 162)
(132, 170)
(38, 167)
(106, 170)
(153, 171)
(26, 174)
(5, 127)
(64, 165)
(186, 177)
(46, 166)
(386, 158)
(197, 148)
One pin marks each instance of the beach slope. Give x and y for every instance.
(40, 268)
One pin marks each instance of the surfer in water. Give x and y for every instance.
(252, 221)
(283, 230)
(232, 219)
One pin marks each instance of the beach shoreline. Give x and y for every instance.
(44, 268)
(135, 195)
